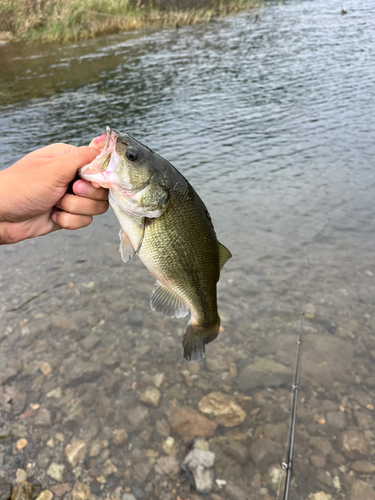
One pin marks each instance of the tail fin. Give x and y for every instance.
(196, 337)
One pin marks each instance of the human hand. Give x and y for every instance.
(33, 198)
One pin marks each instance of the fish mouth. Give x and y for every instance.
(95, 171)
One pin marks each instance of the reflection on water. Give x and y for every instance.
(273, 123)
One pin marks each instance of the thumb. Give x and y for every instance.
(68, 164)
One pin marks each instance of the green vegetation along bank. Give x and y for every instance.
(33, 21)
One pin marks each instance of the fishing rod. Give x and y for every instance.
(287, 464)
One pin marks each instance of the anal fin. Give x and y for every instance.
(224, 255)
(164, 300)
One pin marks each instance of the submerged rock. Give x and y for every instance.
(354, 444)
(5, 491)
(75, 452)
(190, 424)
(81, 491)
(265, 452)
(223, 408)
(362, 491)
(168, 466)
(200, 463)
(320, 495)
(264, 372)
(23, 491)
(151, 396)
(56, 471)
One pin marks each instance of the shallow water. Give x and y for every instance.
(273, 124)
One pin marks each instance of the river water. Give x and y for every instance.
(273, 123)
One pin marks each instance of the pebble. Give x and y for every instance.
(336, 419)
(128, 496)
(43, 418)
(310, 311)
(264, 372)
(200, 463)
(45, 368)
(120, 436)
(223, 408)
(362, 466)
(265, 452)
(190, 424)
(320, 496)
(81, 491)
(138, 416)
(45, 495)
(354, 445)
(169, 466)
(235, 492)
(23, 491)
(55, 393)
(158, 379)
(5, 490)
(21, 443)
(75, 452)
(81, 372)
(60, 489)
(362, 491)
(21, 476)
(151, 396)
(56, 471)
(318, 461)
(170, 446)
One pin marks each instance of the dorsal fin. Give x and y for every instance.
(164, 300)
(224, 255)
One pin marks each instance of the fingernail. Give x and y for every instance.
(81, 187)
(54, 217)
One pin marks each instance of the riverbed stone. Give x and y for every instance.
(23, 491)
(75, 452)
(43, 418)
(363, 466)
(5, 490)
(45, 495)
(263, 372)
(56, 471)
(81, 491)
(336, 419)
(190, 424)
(138, 416)
(362, 491)
(235, 492)
(80, 372)
(320, 495)
(354, 444)
(151, 396)
(120, 436)
(265, 452)
(222, 408)
(200, 463)
(169, 466)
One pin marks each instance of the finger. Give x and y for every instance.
(54, 150)
(71, 221)
(79, 205)
(67, 165)
(86, 189)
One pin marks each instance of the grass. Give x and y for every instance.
(33, 21)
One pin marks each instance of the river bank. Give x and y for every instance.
(34, 21)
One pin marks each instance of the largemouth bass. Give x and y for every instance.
(167, 225)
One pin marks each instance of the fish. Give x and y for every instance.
(165, 223)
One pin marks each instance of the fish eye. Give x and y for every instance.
(131, 154)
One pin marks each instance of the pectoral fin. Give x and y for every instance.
(126, 247)
(224, 255)
(167, 302)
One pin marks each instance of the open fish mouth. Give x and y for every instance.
(105, 161)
